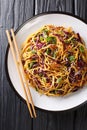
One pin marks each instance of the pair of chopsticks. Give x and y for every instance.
(20, 69)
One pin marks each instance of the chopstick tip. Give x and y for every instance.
(6, 31)
(12, 29)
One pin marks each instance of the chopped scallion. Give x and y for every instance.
(33, 51)
(30, 65)
(41, 38)
(59, 80)
(71, 58)
(81, 49)
(48, 51)
(44, 79)
(51, 40)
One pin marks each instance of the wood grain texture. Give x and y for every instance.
(81, 8)
(13, 111)
(53, 5)
(80, 121)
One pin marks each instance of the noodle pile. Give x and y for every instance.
(55, 60)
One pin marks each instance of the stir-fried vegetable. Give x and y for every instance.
(45, 31)
(33, 51)
(59, 80)
(41, 38)
(30, 65)
(71, 58)
(51, 40)
(48, 51)
(54, 54)
(55, 60)
(70, 40)
(44, 79)
(81, 49)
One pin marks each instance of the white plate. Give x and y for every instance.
(29, 27)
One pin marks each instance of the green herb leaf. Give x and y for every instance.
(66, 41)
(45, 31)
(54, 54)
(28, 49)
(33, 51)
(48, 51)
(44, 79)
(59, 80)
(41, 38)
(72, 58)
(81, 49)
(51, 40)
(30, 65)
(71, 39)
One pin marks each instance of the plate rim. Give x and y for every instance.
(6, 58)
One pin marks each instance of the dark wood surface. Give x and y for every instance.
(13, 111)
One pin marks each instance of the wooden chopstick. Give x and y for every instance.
(25, 80)
(22, 76)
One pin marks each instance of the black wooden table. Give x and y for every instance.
(13, 111)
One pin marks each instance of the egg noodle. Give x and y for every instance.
(55, 60)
